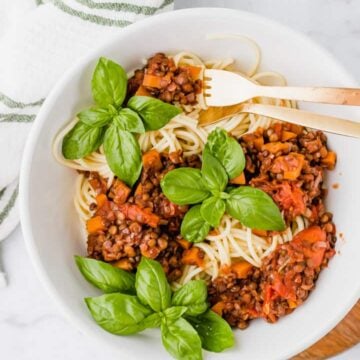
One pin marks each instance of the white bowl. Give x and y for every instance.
(50, 224)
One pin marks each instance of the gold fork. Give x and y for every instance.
(300, 117)
(223, 88)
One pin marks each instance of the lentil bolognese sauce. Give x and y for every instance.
(235, 211)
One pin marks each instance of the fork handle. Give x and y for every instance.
(327, 95)
(300, 117)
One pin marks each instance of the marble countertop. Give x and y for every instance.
(31, 327)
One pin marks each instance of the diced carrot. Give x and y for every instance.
(329, 160)
(297, 129)
(123, 264)
(290, 165)
(119, 192)
(142, 91)
(101, 200)
(292, 304)
(218, 308)
(239, 180)
(194, 71)
(287, 135)
(136, 213)
(139, 190)
(184, 243)
(152, 159)
(225, 270)
(275, 147)
(152, 81)
(193, 256)
(259, 232)
(278, 129)
(241, 269)
(258, 143)
(214, 232)
(95, 224)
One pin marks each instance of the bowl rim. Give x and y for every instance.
(42, 117)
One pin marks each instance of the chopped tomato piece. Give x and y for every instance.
(136, 213)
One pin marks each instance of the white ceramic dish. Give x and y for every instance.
(50, 224)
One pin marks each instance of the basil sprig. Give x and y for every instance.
(223, 159)
(111, 123)
(184, 319)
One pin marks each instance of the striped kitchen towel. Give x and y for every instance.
(39, 41)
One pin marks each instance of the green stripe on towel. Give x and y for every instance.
(124, 6)
(18, 104)
(99, 20)
(19, 118)
(8, 207)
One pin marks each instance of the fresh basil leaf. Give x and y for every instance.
(123, 154)
(212, 210)
(193, 227)
(215, 333)
(213, 173)
(95, 117)
(81, 141)
(227, 150)
(151, 321)
(151, 285)
(105, 276)
(181, 340)
(254, 209)
(129, 120)
(109, 83)
(118, 314)
(193, 296)
(174, 312)
(155, 113)
(184, 186)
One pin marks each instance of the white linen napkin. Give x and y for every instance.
(39, 41)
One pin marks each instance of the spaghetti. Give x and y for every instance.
(230, 240)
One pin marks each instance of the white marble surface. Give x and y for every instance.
(30, 325)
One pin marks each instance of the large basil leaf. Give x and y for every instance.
(184, 186)
(152, 321)
(212, 210)
(129, 120)
(123, 154)
(174, 312)
(215, 333)
(119, 314)
(254, 209)
(193, 295)
(151, 285)
(213, 173)
(181, 340)
(81, 141)
(96, 116)
(155, 113)
(105, 276)
(193, 227)
(227, 150)
(109, 83)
